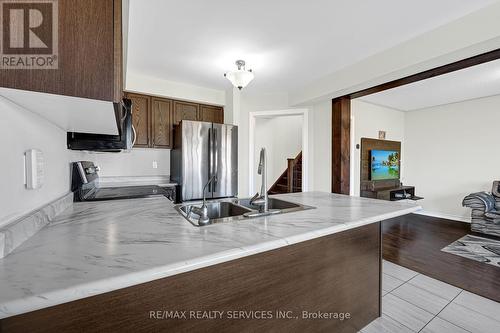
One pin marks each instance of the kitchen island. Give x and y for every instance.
(137, 265)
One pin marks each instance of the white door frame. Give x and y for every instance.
(252, 116)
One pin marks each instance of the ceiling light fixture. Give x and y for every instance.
(241, 77)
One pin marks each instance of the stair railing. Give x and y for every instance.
(290, 174)
(293, 175)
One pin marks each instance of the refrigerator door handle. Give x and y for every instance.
(216, 158)
(210, 158)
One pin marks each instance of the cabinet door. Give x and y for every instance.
(162, 123)
(141, 119)
(213, 114)
(185, 111)
(89, 53)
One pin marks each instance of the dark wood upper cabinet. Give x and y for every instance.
(162, 123)
(141, 119)
(185, 111)
(154, 118)
(152, 121)
(213, 114)
(89, 54)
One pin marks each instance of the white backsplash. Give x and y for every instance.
(136, 162)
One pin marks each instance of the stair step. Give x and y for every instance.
(285, 182)
(295, 190)
(284, 188)
(298, 176)
(281, 184)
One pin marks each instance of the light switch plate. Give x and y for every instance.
(34, 169)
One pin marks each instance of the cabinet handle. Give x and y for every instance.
(135, 135)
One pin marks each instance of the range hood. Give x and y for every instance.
(71, 114)
(106, 142)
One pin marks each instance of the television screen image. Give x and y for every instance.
(384, 164)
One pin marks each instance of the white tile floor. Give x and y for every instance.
(413, 302)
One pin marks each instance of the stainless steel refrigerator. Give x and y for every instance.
(202, 150)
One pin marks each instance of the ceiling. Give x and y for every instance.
(469, 83)
(288, 44)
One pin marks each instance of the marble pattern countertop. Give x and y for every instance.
(97, 247)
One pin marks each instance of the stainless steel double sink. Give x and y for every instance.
(227, 210)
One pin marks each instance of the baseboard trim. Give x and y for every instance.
(444, 216)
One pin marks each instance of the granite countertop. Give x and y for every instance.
(97, 247)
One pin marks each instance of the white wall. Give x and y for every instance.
(136, 162)
(23, 130)
(245, 102)
(282, 138)
(156, 86)
(465, 37)
(451, 151)
(248, 103)
(367, 119)
(321, 135)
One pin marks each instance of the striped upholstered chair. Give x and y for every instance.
(485, 210)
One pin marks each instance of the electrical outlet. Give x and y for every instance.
(155, 165)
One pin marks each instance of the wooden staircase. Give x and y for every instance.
(291, 179)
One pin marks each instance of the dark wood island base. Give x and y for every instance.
(328, 284)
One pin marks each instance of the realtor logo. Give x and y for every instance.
(28, 34)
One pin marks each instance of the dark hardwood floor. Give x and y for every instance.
(415, 241)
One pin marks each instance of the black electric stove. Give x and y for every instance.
(85, 185)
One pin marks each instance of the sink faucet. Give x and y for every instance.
(261, 199)
(202, 212)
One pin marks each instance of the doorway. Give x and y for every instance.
(284, 134)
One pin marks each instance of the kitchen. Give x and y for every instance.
(128, 205)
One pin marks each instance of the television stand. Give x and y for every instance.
(392, 193)
(399, 193)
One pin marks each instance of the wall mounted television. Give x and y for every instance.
(384, 164)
